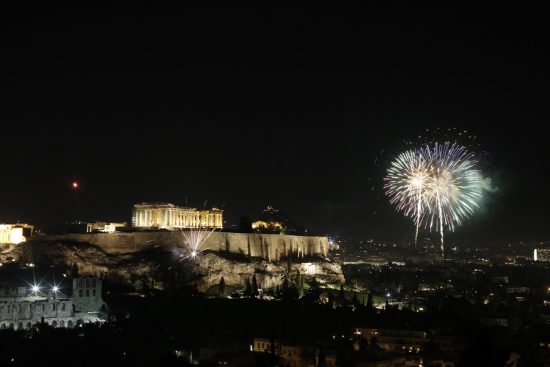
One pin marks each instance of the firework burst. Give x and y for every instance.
(194, 241)
(438, 186)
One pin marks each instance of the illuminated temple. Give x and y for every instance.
(15, 233)
(172, 217)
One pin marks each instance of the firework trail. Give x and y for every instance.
(194, 240)
(438, 186)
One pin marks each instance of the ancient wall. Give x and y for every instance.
(87, 294)
(268, 246)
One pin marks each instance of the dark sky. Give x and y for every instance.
(289, 106)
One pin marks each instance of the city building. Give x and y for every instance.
(541, 254)
(104, 227)
(395, 340)
(24, 312)
(171, 217)
(263, 345)
(15, 233)
(292, 354)
(22, 306)
(296, 355)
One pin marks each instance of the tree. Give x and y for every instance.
(144, 285)
(284, 287)
(314, 290)
(289, 262)
(291, 293)
(299, 283)
(355, 300)
(341, 296)
(288, 291)
(247, 288)
(74, 271)
(369, 302)
(278, 294)
(255, 291)
(330, 300)
(363, 345)
(221, 287)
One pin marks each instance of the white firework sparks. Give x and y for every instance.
(194, 241)
(438, 186)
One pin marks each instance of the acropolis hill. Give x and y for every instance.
(156, 241)
(234, 256)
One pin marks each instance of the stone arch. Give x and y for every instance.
(12, 326)
(28, 326)
(20, 326)
(3, 326)
(54, 323)
(70, 324)
(62, 323)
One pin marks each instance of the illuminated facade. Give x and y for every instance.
(293, 355)
(23, 312)
(15, 233)
(541, 254)
(263, 225)
(172, 217)
(396, 340)
(104, 227)
(22, 307)
(270, 220)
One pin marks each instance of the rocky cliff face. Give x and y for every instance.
(202, 272)
(212, 267)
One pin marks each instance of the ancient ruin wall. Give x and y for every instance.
(268, 246)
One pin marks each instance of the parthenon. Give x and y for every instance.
(172, 217)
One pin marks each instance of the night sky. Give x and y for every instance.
(297, 106)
